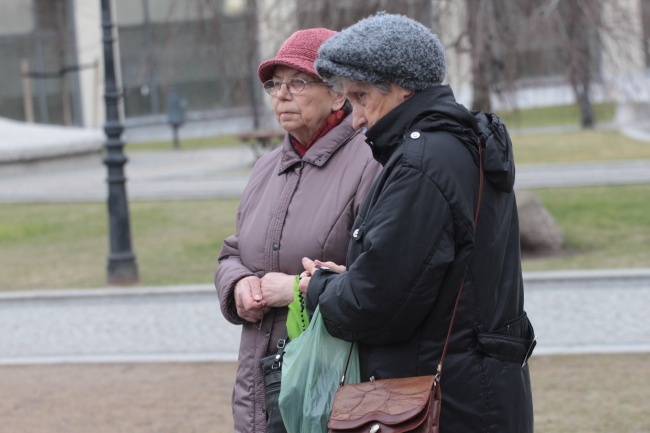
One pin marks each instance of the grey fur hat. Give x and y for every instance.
(384, 48)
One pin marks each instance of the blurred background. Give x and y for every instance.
(502, 55)
(79, 353)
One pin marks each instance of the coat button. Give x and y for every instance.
(415, 135)
(276, 247)
(355, 234)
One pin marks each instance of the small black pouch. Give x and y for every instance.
(513, 342)
(272, 369)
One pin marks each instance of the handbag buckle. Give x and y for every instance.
(281, 343)
(533, 343)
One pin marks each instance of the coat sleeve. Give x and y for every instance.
(407, 247)
(230, 270)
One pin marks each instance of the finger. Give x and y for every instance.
(309, 265)
(245, 299)
(256, 291)
(333, 266)
(249, 316)
(303, 284)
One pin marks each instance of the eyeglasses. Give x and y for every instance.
(294, 86)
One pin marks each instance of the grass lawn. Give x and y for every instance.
(579, 146)
(555, 115)
(65, 245)
(184, 143)
(604, 226)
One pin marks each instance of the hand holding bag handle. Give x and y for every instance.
(419, 398)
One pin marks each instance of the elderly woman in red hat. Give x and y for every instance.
(301, 201)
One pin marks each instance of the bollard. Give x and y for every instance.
(176, 113)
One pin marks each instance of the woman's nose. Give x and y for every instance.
(283, 93)
(358, 119)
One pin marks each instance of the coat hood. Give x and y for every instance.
(498, 158)
(436, 109)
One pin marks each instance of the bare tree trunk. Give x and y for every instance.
(479, 53)
(253, 57)
(580, 56)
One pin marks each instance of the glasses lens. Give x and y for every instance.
(296, 86)
(271, 88)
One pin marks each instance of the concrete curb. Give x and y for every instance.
(621, 277)
(533, 279)
(108, 292)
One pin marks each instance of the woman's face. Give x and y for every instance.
(303, 114)
(369, 104)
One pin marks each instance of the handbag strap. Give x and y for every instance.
(462, 283)
(347, 363)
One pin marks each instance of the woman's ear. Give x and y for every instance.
(339, 101)
(406, 94)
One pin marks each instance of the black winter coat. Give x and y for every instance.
(412, 244)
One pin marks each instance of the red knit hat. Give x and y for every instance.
(298, 52)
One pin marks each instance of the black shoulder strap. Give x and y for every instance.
(460, 289)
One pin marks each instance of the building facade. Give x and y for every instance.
(207, 51)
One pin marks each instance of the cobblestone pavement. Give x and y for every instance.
(572, 312)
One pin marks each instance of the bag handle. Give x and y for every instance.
(462, 283)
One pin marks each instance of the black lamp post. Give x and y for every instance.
(122, 268)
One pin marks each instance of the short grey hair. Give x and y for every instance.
(338, 82)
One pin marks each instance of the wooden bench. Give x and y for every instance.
(262, 141)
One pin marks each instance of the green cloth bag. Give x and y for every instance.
(312, 368)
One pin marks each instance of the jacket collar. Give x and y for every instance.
(387, 134)
(321, 151)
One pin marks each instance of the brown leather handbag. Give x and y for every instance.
(409, 404)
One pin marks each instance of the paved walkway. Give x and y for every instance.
(223, 172)
(572, 312)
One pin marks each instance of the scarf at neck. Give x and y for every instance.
(330, 123)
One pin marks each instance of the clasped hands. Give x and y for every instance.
(255, 296)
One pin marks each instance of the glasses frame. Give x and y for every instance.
(277, 86)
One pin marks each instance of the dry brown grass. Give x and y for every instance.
(591, 393)
(576, 394)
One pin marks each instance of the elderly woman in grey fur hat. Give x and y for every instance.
(415, 240)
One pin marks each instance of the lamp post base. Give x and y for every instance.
(122, 271)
